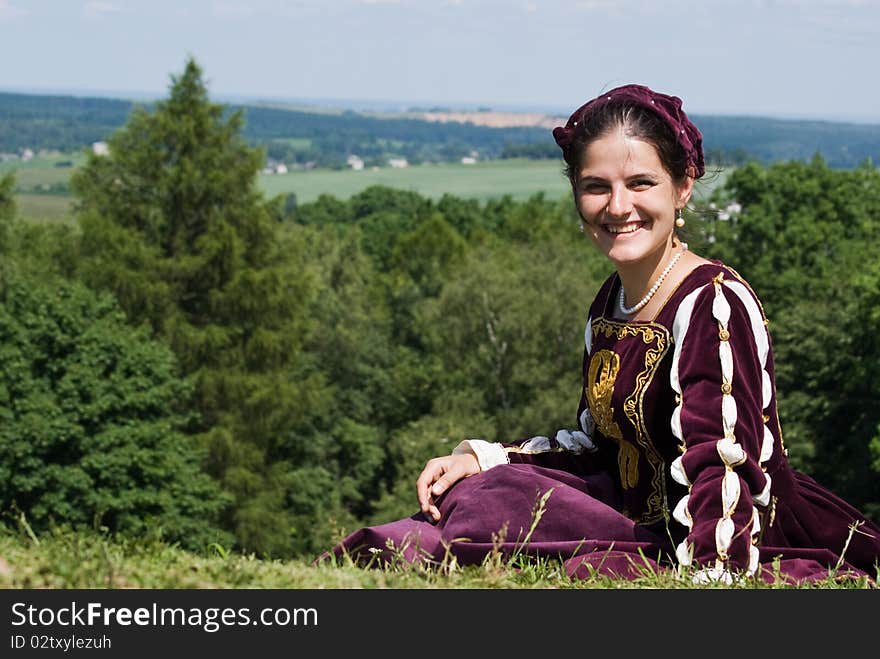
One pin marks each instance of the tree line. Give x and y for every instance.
(70, 124)
(193, 361)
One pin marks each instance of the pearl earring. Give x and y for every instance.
(679, 220)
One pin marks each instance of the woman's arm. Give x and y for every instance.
(720, 373)
(569, 450)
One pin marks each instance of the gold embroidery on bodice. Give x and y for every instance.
(604, 366)
(602, 375)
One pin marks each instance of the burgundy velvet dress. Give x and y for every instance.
(677, 462)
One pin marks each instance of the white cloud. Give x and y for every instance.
(8, 11)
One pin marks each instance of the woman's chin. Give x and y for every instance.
(621, 252)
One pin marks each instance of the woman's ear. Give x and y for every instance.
(684, 189)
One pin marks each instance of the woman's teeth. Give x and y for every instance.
(622, 228)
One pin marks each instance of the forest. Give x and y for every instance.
(297, 137)
(191, 360)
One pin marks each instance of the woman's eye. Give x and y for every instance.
(594, 188)
(643, 184)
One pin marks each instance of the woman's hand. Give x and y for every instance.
(439, 475)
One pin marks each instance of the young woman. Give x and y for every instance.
(678, 458)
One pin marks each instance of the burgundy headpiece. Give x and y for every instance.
(668, 108)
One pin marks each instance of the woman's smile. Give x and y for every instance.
(625, 229)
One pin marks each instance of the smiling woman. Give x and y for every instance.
(677, 460)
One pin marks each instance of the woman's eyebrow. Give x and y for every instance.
(648, 174)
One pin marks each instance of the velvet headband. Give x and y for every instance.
(668, 108)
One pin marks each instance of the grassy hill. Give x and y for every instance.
(67, 559)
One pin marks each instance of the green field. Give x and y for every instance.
(44, 161)
(298, 143)
(42, 170)
(43, 207)
(34, 179)
(518, 178)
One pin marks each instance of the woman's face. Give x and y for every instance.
(626, 198)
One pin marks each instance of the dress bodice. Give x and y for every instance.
(669, 396)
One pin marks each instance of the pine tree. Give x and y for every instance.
(175, 226)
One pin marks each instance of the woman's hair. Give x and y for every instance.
(641, 113)
(636, 122)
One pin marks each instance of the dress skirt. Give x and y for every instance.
(528, 510)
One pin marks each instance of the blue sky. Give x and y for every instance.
(783, 58)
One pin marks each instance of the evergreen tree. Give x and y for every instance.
(175, 226)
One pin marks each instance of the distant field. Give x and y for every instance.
(298, 143)
(518, 178)
(43, 207)
(35, 177)
(30, 176)
(43, 162)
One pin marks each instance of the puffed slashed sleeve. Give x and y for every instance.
(719, 372)
(568, 449)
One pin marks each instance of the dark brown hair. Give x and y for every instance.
(636, 122)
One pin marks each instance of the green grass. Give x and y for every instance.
(71, 560)
(41, 171)
(37, 179)
(33, 180)
(297, 143)
(484, 180)
(518, 178)
(44, 161)
(43, 207)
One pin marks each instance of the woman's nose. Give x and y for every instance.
(620, 202)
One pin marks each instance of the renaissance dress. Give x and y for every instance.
(677, 462)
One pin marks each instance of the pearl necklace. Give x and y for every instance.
(641, 303)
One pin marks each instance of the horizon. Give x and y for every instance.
(785, 59)
(391, 106)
